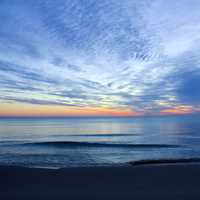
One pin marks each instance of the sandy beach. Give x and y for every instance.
(155, 181)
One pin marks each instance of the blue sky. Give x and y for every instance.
(139, 55)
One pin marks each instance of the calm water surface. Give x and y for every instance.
(73, 142)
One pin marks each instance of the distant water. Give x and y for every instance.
(74, 142)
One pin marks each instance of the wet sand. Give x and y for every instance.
(156, 181)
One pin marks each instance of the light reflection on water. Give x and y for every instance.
(182, 131)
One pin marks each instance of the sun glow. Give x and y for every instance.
(45, 110)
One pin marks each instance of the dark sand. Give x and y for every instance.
(164, 181)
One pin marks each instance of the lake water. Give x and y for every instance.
(93, 141)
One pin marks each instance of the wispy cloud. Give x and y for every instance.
(139, 55)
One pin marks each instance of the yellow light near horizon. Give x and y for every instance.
(178, 110)
(17, 109)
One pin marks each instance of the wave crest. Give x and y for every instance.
(96, 144)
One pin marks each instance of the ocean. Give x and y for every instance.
(96, 141)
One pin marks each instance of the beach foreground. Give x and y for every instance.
(163, 181)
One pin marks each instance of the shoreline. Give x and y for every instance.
(142, 162)
(165, 161)
(159, 181)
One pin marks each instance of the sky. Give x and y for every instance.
(99, 57)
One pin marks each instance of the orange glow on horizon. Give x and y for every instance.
(179, 110)
(28, 110)
(9, 110)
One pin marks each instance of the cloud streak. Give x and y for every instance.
(139, 55)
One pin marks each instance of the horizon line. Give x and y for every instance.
(99, 116)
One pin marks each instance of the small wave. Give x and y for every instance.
(90, 144)
(97, 135)
(165, 161)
